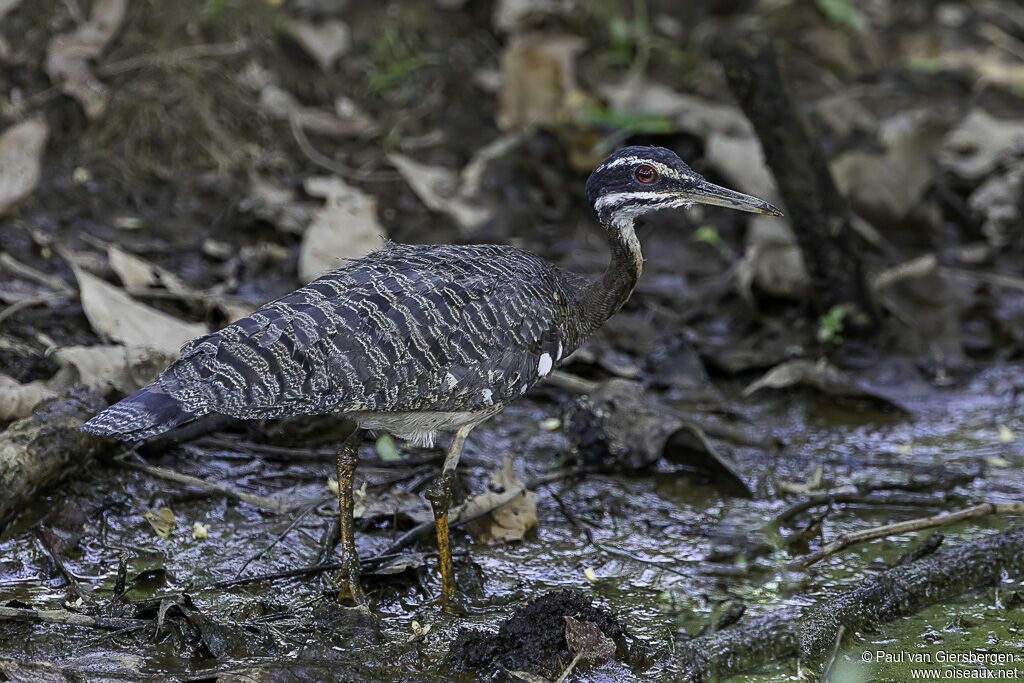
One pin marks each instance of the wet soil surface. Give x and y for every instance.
(652, 549)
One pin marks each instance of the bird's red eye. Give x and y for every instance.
(646, 174)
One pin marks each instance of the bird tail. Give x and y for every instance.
(147, 412)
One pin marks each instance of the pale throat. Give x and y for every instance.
(624, 226)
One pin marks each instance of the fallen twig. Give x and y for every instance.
(294, 523)
(856, 498)
(846, 540)
(264, 502)
(65, 618)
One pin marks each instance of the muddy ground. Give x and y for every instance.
(190, 166)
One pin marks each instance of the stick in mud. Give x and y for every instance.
(812, 632)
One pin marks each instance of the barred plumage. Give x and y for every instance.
(407, 329)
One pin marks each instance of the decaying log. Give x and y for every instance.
(811, 632)
(40, 451)
(820, 216)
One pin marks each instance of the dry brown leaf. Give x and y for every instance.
(108, 367)
(21, 151)
(67, 59)
(884, 188)
(538, 80)
(134, 272)
(113, 313)
(345, 228)
(324, 41)
(17, 399)
(512, 519)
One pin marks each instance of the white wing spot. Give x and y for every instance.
(544, 367)
(486, 393)
(451, 380)
(558, 355)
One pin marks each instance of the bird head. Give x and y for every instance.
(637, 180)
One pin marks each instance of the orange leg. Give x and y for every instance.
(348, 459)
(440, 496)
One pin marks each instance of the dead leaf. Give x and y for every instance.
(514, 16)
(21, 152)
(885, 187)
(996, 202)
(980, 144)
(741, 161)
(200, 531)
(162, 521)
(276, 205)
(17, 399)
(113, 313)
(396, 503)
(538, 80)
(133, 271)
(772, 261)
(6, 6)
(461, 194)
(439, 189)
(67, 59)
(397, 565)
(123, 369)
(586, 640)
(512, 519)
(692, 114)
(282, 105)
(324, 41)
(345, 228)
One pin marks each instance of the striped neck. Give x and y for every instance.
(606, 296)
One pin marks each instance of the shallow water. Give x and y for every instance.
(660, 527)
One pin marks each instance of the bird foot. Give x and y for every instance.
(351, 591)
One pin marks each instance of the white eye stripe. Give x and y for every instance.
(657, 165)
(617, 198)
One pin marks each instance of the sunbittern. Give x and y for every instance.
(417, 339)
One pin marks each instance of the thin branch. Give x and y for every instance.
(846, 540)
(29, 273)
(271, 504)
(856, 498)
(280, 537)
(65, 618)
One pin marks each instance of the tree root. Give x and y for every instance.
(812, 632)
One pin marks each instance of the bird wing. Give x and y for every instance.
(407, 328)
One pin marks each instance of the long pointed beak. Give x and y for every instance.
(709, 193)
